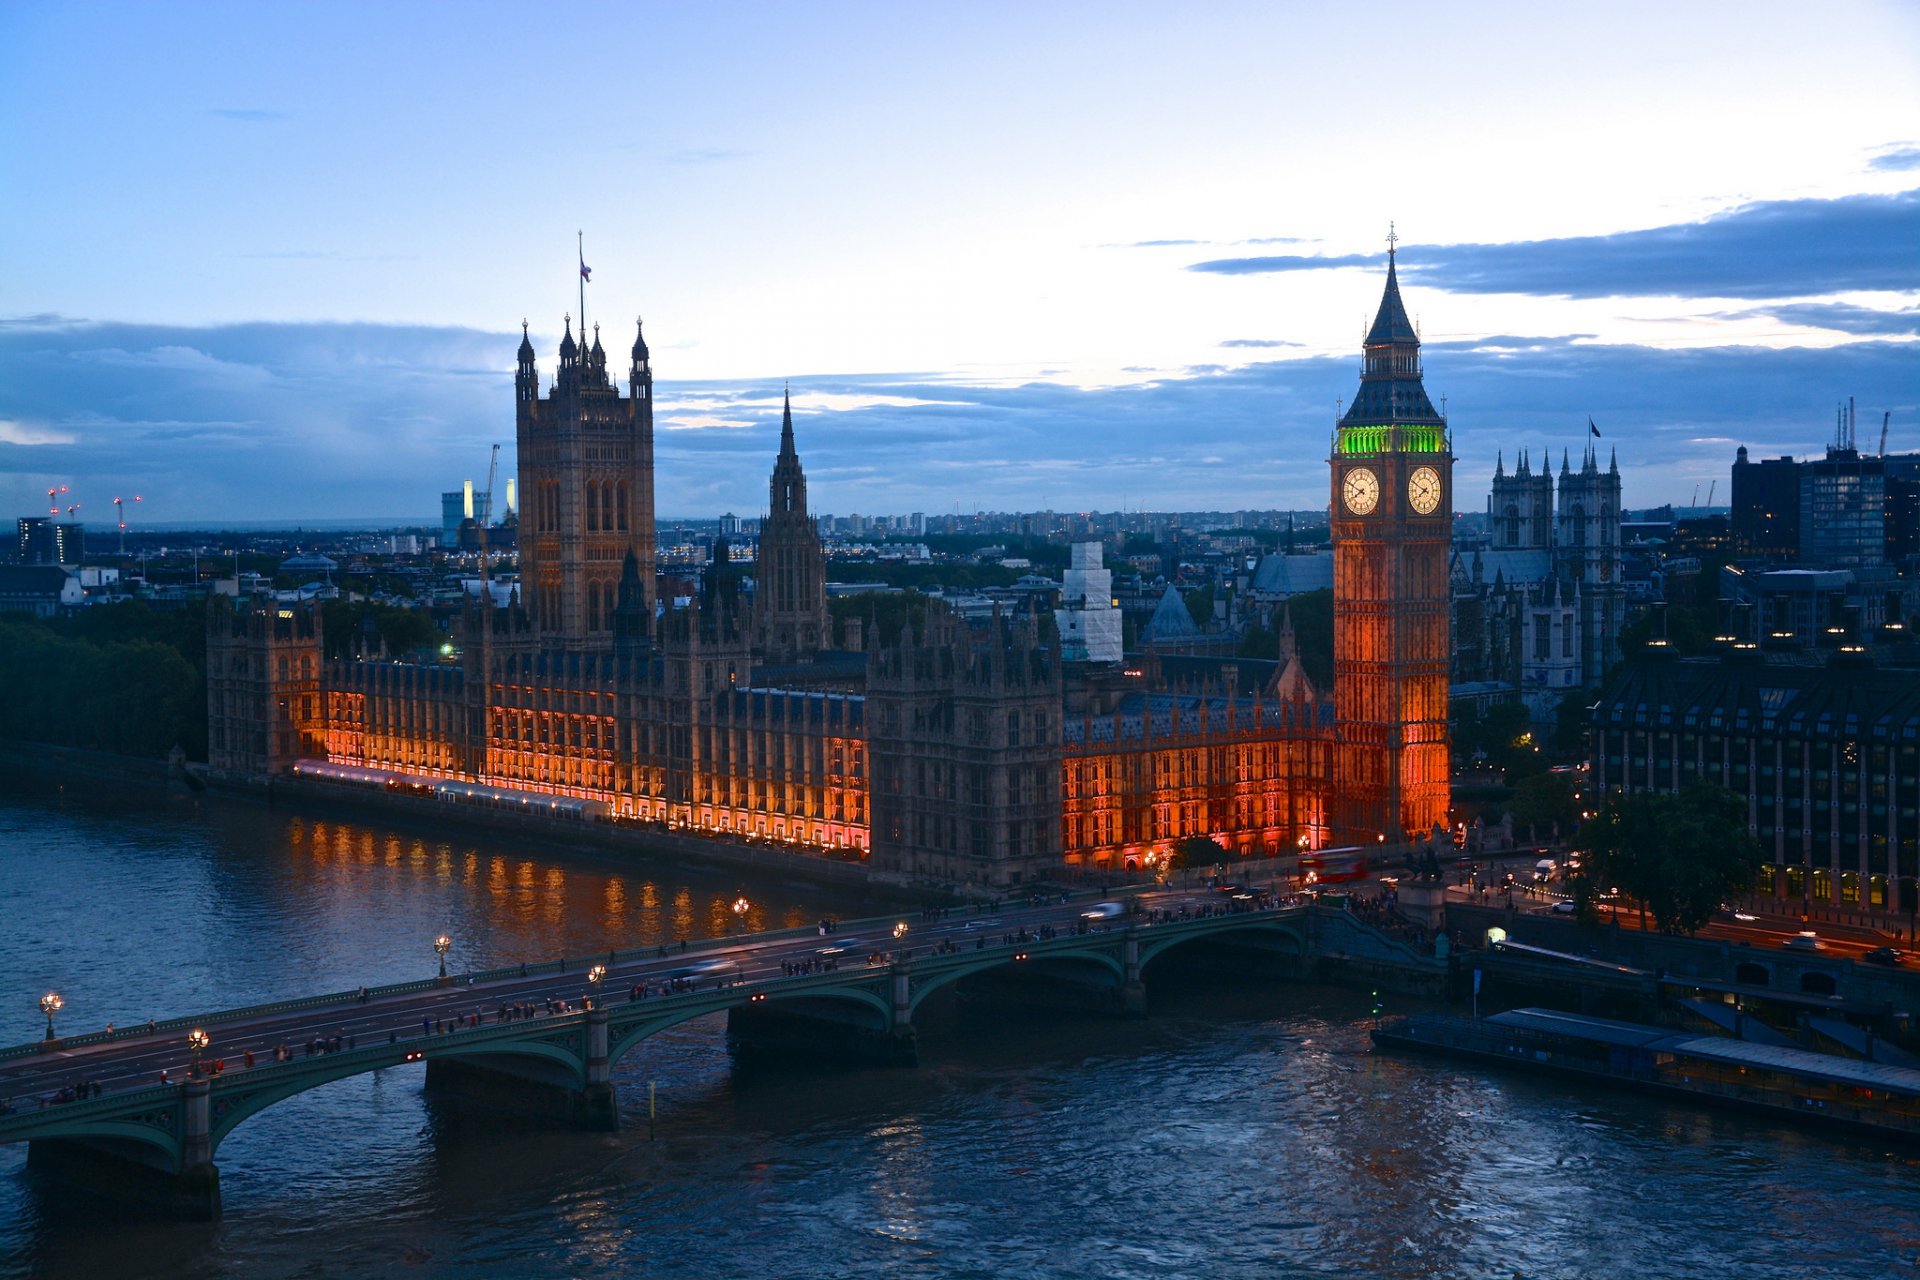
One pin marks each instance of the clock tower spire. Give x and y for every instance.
(1392, 644)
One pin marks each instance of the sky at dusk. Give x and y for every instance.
(270, 262)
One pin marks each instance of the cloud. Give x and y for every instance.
(1896, 159)
(249, 115)
(700, 422)
(333, 421)
(1770, 249)
(22, 433)
(1286, 262)
(1840, 317)
(1259, 342)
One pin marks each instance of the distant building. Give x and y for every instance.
(41, 590)
(47, 541)
(459, 505)
(1088, 620)
(1824, 753)
(1766, 507)
(1540, 602)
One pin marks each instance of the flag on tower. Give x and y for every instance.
(586, 273)
(1590, 426)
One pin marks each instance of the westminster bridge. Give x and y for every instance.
(139, 1112)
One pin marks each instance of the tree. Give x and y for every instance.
(1680, 854)
(1544, 802)
(1194, 851)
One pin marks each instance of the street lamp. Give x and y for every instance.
(740, 908)
(900, 931)
(198, 1040)
(51, 1004)
(442, 945)
(595, 976)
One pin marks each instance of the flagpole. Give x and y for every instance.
(581, 245)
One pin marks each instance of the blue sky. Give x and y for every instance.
(270, 261)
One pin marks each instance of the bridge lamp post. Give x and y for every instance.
(740, 908)
(51, 1004)
(441, 946)
(595, 976)
(198, 1040)
(900, 932)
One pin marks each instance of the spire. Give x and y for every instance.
(526, 345)
(1613, 460)
(1390, 387)
(1390, 324)
(786, 425)
(598, 350)
(1564, 468)
(567, 347)
(1500, 465)
(639, 341)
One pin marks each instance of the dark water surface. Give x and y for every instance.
(1245, 1130)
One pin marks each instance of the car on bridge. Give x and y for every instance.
(1104, 911)
(1805, 940)
(841, 947)
(1887, 956)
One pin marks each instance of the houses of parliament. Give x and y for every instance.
(958, 753)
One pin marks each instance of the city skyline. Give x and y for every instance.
(1099, 265)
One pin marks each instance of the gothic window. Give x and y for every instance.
(1513, 525)
(620, 505)
(1579, 524)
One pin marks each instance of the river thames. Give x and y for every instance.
(1246, 1129)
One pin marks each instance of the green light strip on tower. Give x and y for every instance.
(1411, 439)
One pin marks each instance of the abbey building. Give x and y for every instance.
(989, 754)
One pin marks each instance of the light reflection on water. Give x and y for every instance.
(1240, 1132)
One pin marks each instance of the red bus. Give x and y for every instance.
(1334, 866)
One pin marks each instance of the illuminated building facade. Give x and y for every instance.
(955, 758)
(586, 473)
(1392, 523)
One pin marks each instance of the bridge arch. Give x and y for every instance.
(1284, 939)
(1104, 965)
(232, 1108)
(626, 1035)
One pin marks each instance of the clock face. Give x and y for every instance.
(1423, 490)
(1361, 491)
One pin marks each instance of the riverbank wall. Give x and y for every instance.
(98, 776)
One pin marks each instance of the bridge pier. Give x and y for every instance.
(186, 1189)
(598, 1108)
(1133, 992)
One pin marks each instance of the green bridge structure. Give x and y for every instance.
(155, 1142)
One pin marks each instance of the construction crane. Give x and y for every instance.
(493, 466)
(1885, 419)
(120, 516)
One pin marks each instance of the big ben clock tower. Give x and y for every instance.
(1392, 643)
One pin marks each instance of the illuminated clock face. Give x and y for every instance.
(1361, 490)
(1423, 490)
